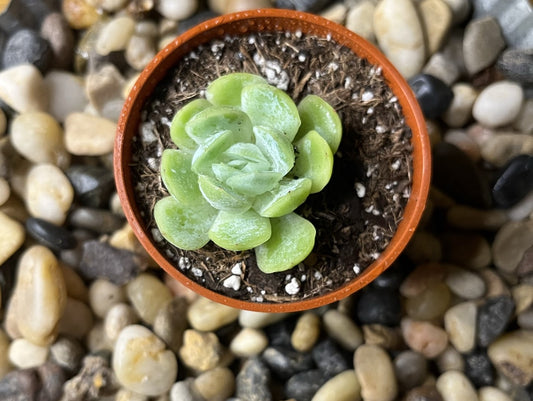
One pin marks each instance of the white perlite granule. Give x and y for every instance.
(293, 287)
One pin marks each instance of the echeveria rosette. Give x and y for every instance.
(247, 157)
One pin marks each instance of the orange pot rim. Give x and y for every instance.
(268, 20)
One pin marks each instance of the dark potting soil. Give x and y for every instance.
(357, 213)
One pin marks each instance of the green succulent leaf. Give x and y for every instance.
(248, 152)
(238, 232)
(216, 119)
(221, 197)
(180, 181)
(292, 240)
(277, 148)
(271, 107)
(184, 226)
(255, 183)
(211, 151)
(284, 199)
(317, 115)
(226, 90)
(177, 128)
(314, 160)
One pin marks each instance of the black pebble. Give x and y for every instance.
(8, 276)
(329, 359)
(311, 6)
(393, 277)
(284, 362)
(304, 385)
(49, 234)
(479, 369)
(514, 182)
(492, 319)
(379, 306)
(279, 333)
(92, 184)
(433, 95)
(26, 46)
(252, 382)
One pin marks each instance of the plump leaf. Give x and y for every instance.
(184, 226)
(180, 181)
(247, 152)
(216, 119)
(284, 199)
(221, 197)
(276, 147)
(211, 151)
(314, 160)
(292, 240)
(252, 184)
(317, 115)
(271, 107)
(238, 232)
(226, 90)
(177, 128)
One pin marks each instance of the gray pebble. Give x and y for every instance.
(252, 382)
(98, 220)
(482, 44)
(56, 31)
(92, 184)
(411, 369)
(27, 47)
(492, 319)
(284, 362)
(184, 390)
(465, 284)
(170, 323)
(303, 386)
(67, 353)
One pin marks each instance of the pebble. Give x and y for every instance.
(494, 283)
(383, 336)
(399, 33)
(80, 14)
(5, 191)
(100, 260)
(140, 51)
(510, 244)
(421, 278)
(49, 194)
(303, 386)
(436, 18)
(128, 395)
(41, 295)
(512, 354)
(258, 320)
(482, 44)
(88, 135)
(142, 363)
(117, 318)
(342, 329)
(522, 123)
(248, 342)
(217, 384)
(77, 319)
(455, 386)
(329, 358)
(244, 5)
(24, 354)
(92, 184)
(430, 303)
(516, 65)
(479, 369)
(206, 315)
(375, 372)
(103, 295)
(185, 390)
(94, 380)
(460, 324)
(460, 110)
(411, 369)
(465, 284)
(463, 141)
(442, 67)
(101, 221)
(18, 384)
(424, 337)
(460, 10)
(498, 104)
(469, 218)
(342, 387)
(55, 30)
(147, 295)
(489, 393)
(174, 11)
(306, 332)
(469, 250)
(303, 5)
(67, 353)
(433, 95)
(5, 365)
(360, 19)
(66, 94)
(25, 46)
(502, 147)
(423, 393)
(252, 381)
(23, 89)
(285, 362)
(97, 341)
(114, 35)
(514, 182)
(492, 318)
(170, 322)
(522, 296)
(379, 306)
(201, 351)
(12, 234)
(424, 247)
(450, 359)
(50, 235)
(525, 319)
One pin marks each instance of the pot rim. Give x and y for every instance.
(268, 20)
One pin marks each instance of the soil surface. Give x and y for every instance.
(357, 213)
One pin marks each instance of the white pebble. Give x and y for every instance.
(460, 324)
(22, 88)
(24, 354)
(258, 320)
(115, 35)
(117, 318)
(460, 110)
(148, 295)
(248, 342)
(66, 92)
(177, 10)
(498, 104)
(103, 295)
(492, 394)
(455, 386)
(88, 135)
(12, 236)
(360, 19)
(206, 315)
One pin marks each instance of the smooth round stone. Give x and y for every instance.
(502, 147)
(343, 387)
(424, 337)
(5, 190)
(77, 319)
(498, 104)
(460, 10)
(482, 44)
(525, 319)
(285, 362)
(465, 284)
(514, 182)
(79, 14)
(329, 358)
(206, 315)
(442, 67)
(523, 122)
(139, 51)
(170, 322)
(430, 303)
(522, 296)
(55, 30)
(512, 354)
(469, 218)
(148, 295)
(360, 19)
(494, 282)
(24, 354)
(115, 35)
(92, 184)
(479, 369)
(248, 342)
(49, 194)
(103, 295)
(185, 390)
(142, 363)
(110, 5)
(244, 5)
(128, 395)
(97, 341)
(50, 235)
(258, 320)
(510, 244)
(379, 306)
(411, 369)
(436, 18)
(117, 318)
(421, 278)
(489, 393)
(517, 65)
(468, 250)
(66, 93)
(201, 351)
(25, 46)
(252, 382)
(101, 221)
(304, 385)
(433, 95)
(423, 393)
(22, 88)
(216, 384)
(12, 234)
(459, 111)
(424, 247)
(386, 337)
(463, 141)
(492, 318)
(455, 386)
(399, 34)
(450, 359)
(460, 324)
(306, 332)
(342, 329)
(5, 365)
(177, 11)
(88, 135)
(375, 372)
(67, 353)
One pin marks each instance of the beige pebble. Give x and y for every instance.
(492, 394)
(510, 243)
(176, 10)
(258, 320)
(5, 365)
(80, 14)
(342, 329)
(442, 67)
(148, 295)
(455, 386)
(512, 355)
(142, 363)
(22, 88)
(12, 235)
(201, 351)
(243, 5)
(460, 110)
(386, 337)
(114, 35)
(360, 19)
(140, 51)
(10, 318)
(248, 342)
(450, 359)
(470, 218)
(49, 193)
(77, 319)
(127, 395)
(375, 372)
(171, 321)
(104, 87)
(96, 340)
(206, 315)
(24, 354)
(522, 296)
(436, 18)
(430, 303)
(103, 295)
(424, 337)
(217, 384)
(503, 146)
(76, 287)
(494, 283)
(88, 135)
(117, 318)
(41, 295)
(336, 13)
(306, 332)
(342, 387)
(422, 277)
(460, 324)
(464, 283)
(5, 190)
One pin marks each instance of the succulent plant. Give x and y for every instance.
(247, 157)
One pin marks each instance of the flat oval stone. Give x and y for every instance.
(171, 322)
(22, 88)
(329, 358)
(381, 306)
(510, 244)
(460, 110)
(101, 221)
(12, 234)
(479, 369)
(342, 387)
(342, 329)
(49, 234)
(455, 386)
(24, 354)
(424, 337)
(25, 46)
(465, 284)
(252, 382)
(148, 295)
(482, 43)
(498, 104)
(88, 135)
(375, 372)
(514, 182)
(492, 318)
(430, 303)
(489, 393)
(285, 362)
(216, 384)
(411, 369)
(92, 184)
(206, 315)
(436, 18)
(306, 332)
(115, 35)
(460, 324)
(512, 354)
(103, 295)
(433, 95)
(304, 385)
(248, 342)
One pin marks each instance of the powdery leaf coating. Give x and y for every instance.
(226, 90)
(177, 127)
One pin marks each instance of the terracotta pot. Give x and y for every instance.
(273, 20)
